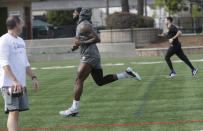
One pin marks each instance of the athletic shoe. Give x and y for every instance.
(194, 72)
(70, 112)
(132, 74)
(172, 74)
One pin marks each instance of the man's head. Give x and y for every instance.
(85, 14)
(15, 23)
(76, 14)
(168, 20)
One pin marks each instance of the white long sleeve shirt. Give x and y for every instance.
(13, 53)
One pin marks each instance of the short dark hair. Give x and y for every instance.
(12, 21)
(170, 19)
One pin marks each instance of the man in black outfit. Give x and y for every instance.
(175, 47)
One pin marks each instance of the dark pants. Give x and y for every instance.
(97, 75)
(176, 49)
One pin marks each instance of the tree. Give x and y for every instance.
(172, 6)
(125, 5)
(195, 7)
(62, 17)
(196, 11)
(197, 1)
(125, 20)
(140, 7)
(3, 15)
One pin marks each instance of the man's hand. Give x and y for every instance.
(170, 41)
(33, 77)
(17, 85)
(35, 84)
(78, 42)
(163, 34)
(16, 90)
(74, 47)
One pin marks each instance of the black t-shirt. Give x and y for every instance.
(171, 32)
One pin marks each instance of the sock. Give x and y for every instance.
(121, 75)
(75, 104)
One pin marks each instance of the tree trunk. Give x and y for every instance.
(125, 5)
(107, 7)
(145, 7)
(140, 7)
(191, 6)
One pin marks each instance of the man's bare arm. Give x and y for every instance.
(87, 29)
(29, 72)
(33, 77)
(89, 32)
(10, 74)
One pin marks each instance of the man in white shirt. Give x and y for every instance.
(14, 66)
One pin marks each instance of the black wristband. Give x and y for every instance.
(33, 77)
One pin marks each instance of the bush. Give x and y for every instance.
(60, 17)
(123, 20)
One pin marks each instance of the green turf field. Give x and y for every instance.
(128, 101)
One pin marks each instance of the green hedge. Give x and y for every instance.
(123, 20)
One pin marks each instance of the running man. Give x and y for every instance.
(13, 68)
(175, 47)
(86, 39)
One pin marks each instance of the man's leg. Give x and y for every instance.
(84, 70)
(184, 58)
(97, 75)
(12, 123)
(170, 52)
(12, 108)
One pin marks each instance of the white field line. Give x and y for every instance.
(161, 62)
(110, 64)
(57, 67)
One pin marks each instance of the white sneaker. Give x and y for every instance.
(70, 112)
(132, 74)
(172, 74)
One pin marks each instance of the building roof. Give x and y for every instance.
(72, 4)
(39, 23)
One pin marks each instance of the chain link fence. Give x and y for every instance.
(188, 25)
